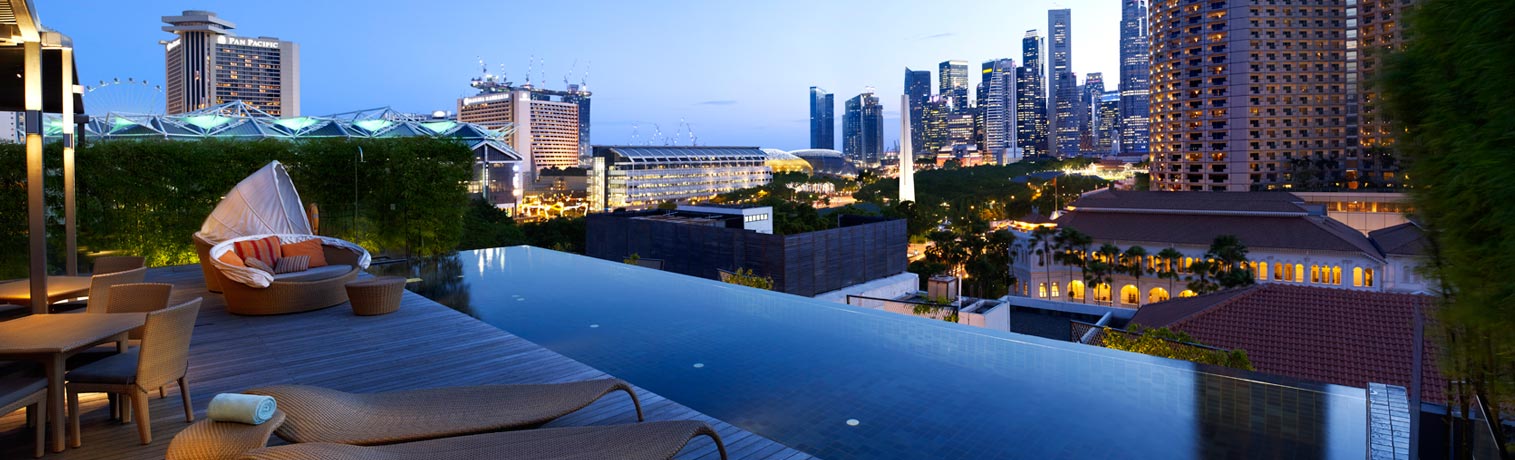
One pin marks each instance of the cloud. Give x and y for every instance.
(717, 102)
(940, 35)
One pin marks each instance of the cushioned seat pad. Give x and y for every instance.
(120, 368)
(315, 274)
(14, 388)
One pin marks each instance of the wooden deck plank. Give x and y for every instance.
(424, 344)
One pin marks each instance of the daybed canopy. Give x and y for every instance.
(264, 203)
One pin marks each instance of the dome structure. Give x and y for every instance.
(827, 162)
(783, 162)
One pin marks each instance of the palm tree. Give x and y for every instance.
(1101, 269)
(1169, 271)
(1041, 242)
(1134, 266)
(1074, 250)
(1230, 266)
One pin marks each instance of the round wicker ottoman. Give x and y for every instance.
(376, 296)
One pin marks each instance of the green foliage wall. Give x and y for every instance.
(148, 197)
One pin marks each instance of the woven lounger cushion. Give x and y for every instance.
(324, 415)
(650, 440)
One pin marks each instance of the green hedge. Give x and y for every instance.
(148, 197)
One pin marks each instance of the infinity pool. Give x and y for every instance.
(842, 382)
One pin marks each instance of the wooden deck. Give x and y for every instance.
(423, 345)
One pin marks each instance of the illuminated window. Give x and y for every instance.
(1102, 292)
(1336, 275)
(1262, 270)
(1157, 295)
(1357, 276)
(1299, 273)
(1054, 290)
(1076, 290)
(1367, 277)
(1315, 274)
(1278, 271)
(1042, 291)
(1187, 293)
(1130, 295)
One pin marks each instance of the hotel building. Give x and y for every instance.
(209, 65)
(644, 177)
(546, 133)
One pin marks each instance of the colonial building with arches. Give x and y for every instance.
(1288, 240)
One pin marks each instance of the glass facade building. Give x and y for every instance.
(952, 83)
(863, 129)
(1134, 78)
(822, 119)
(206, 65)
(642, 177)
(918, 92)
(1031, 97)
(1064, 106)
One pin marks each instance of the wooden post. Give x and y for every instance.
(37, 229)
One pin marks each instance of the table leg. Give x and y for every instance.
(121, 342)
(55, 416)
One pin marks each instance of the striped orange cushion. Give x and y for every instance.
(263, 249)
(292, 264)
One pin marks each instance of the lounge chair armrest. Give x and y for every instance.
(211, 440)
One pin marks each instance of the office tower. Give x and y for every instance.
(1274, 116)
(545, 134)
(953, 84)
(207, 64)
(918, 91)
(579, 95)
(1378, 32)
(998, 105)
(1134, 82)
(1064, 83)
(822, 119)
(934, 120)
(1107, 123)
(1089, 94)
(863, 129)
(1030, 97)
(907, 158)
(981, 93)
(960, 129)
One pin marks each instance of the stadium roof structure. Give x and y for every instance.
(236, 120)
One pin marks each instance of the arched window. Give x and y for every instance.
(1367, 277)
(1076, 290)
(1357, 276)
(1102, 292)
(1157, 295)
(1130, 295)
(1262, 270)
(1042, 291)
(1299, 273)
(1055, 294)
(1336, 275)
(1187, 293)
(1278, 271)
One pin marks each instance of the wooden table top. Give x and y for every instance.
(59, 333)
(19, 291)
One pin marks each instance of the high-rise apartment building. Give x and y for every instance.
(1089, 94)
(998, 105)
(207, 65)
(544, 132)
(1107, 123)
(1250, 94)
(1134, 82)
(863, 129)
(918, 94)
(953, 83)
(1064, 83)
(822, 119)
(1030, 97)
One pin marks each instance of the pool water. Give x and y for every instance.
(842, 382)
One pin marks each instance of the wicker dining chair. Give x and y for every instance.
(162, 358)
(138, 298)
(111, 264)
(28, 391)
(100, 287)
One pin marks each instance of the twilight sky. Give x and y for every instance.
(738, 72)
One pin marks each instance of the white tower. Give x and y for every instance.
(907, 159)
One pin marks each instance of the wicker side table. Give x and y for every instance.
(376, 296)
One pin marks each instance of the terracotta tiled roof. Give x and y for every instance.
(1401, 240)
(1336, 336)
(1273, 232)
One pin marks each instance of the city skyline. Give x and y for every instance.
(730, 98)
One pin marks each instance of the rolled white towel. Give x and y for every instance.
(241, 408)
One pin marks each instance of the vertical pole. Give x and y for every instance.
(70, 229)
(36, 230)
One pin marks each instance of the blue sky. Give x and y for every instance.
(737, 72)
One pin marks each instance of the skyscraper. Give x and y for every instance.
(953, 84)
(918, 93)
(579, 95)
(998, 105)
(1064, 106)
(863, 128)
(207, 64)
(1089, 94)
(1269, 118)
(545, 134)
(1379, 31)
(1134, 79)
(1030, 97)
(822, 119)
(934, 120)
(1107, 123)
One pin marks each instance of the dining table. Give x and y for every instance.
(19, 292)
(50, 339)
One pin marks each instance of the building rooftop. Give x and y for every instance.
(1340, 336)
(1405, 239)
(1249, 203)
